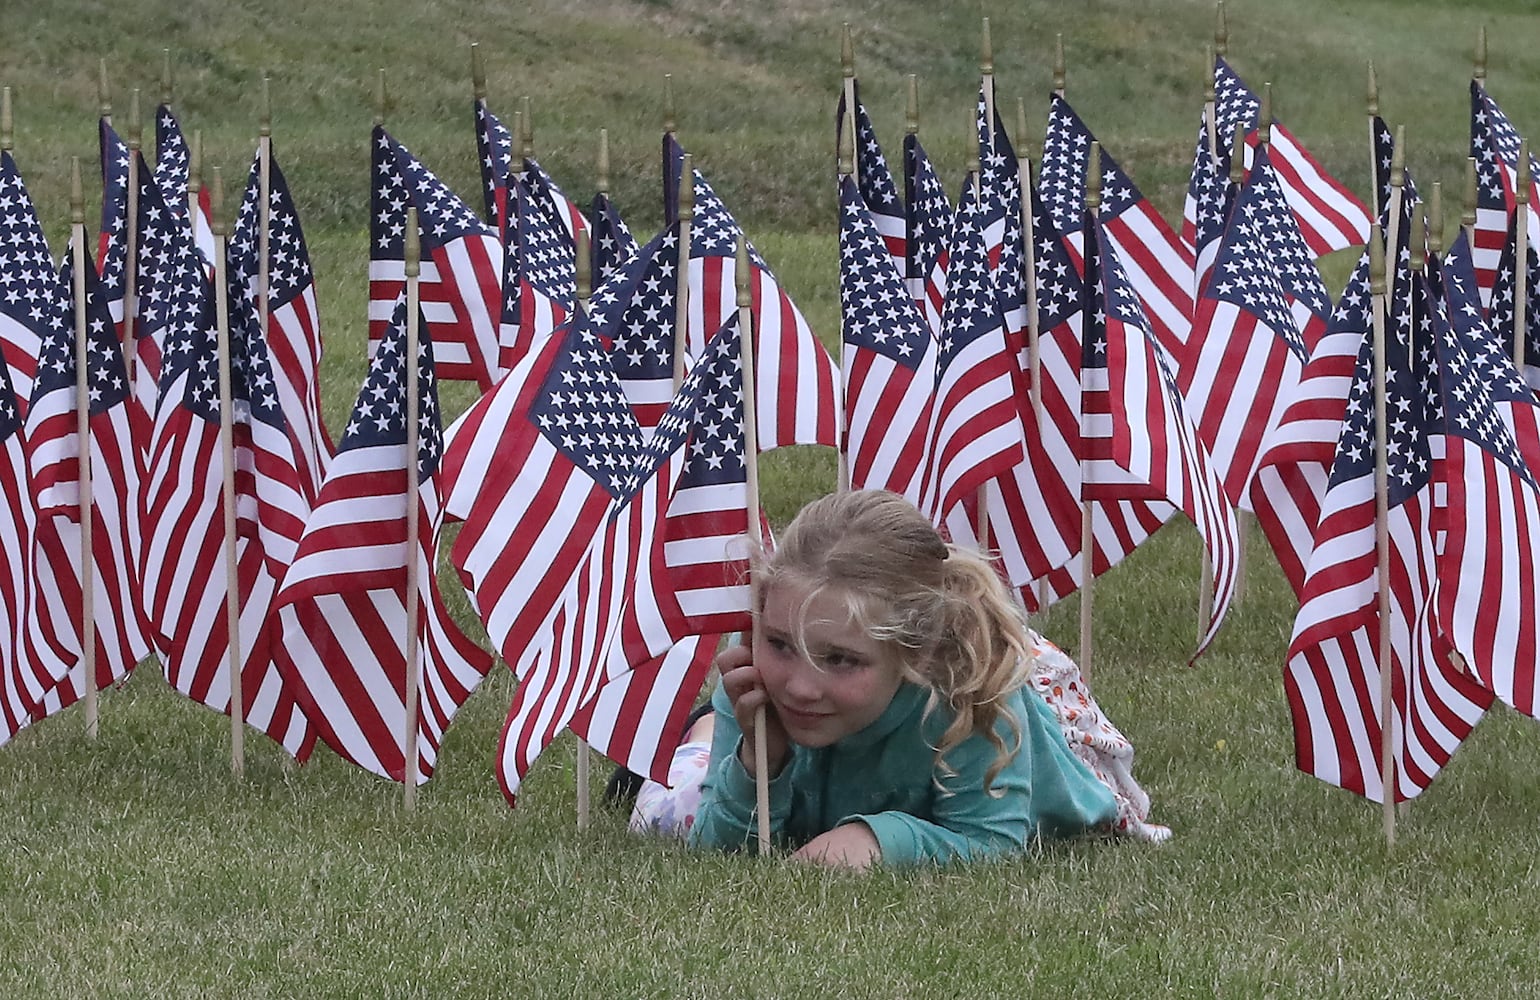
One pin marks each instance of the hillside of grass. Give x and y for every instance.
(135, 865)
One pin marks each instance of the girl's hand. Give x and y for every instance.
(852, 845)
(746, 691)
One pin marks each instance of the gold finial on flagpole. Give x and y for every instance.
(912, 105)
(1221, 30)
(103, 92)
(1376, 260)
(603, 185)
(986, 52)
(7, 121)
(847, 52)
(1398, 159)
(1238, 154)
(1436, 220)
(1419, 239)
(478, 74)
(670, 120)
(1525, 177)
(1373, 95)
(1093, 178)
(1058, 64)
(77, 193)
(1479, 70)
(265, 110)
(1265, 117)
(527, 129)
(379, 100)
(135, 131)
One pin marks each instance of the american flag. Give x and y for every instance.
(633, 312)
(1000, 207)
(874, 180)
(183, 527)
(1490, 558)
(1494, 143)
(1329, 215)
(975, 430)
(171, 272)
(53, 454)
(548, 198)
(1502, 316)
(1296, 457)
(494, 154)
(28, 282)
(462, 264)
(292, 340)
(888, 361)
(1138, 441)
(343, 607)
(1160, 265)
(928, 218)
(1332, 673)
(611, 244)
(1209, 198)
(1257, 320)
(797, 381)
(17, 664)
(539, 276)
(173, 173)
(112, 245)
(566, 666)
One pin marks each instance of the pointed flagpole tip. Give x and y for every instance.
(1238, 154)
(478, 74)
(604, 161)
(1058, 64)
(412, 245)
(103, 92)
(1419, 239)
(686, 187)
(1468, 210)
(741, 274)
(1265, 116)
(1221, 30)
(1376, 260)
(135, 129)
(1525, 178)
(527, 130)
(847, 52)
(77, 193)
(1479, 70)
(986, 51)
(1436, 219)
(912, 105)
(379, 99)
(1093, 178)
(217, 201)
(1398, 158)
(265, 109)
(1372, 100)
(7, 122)
(1208, 75)
(585, 270)
(670, 120)
(165, 77)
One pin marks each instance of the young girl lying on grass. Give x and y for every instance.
(894, 671)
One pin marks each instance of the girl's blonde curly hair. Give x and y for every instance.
(948, 618)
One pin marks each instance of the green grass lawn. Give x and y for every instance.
(135, 866)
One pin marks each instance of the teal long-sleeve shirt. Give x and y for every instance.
(886, 777)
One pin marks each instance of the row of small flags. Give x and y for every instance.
(1046, 368)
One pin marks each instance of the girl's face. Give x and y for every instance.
(842, 684)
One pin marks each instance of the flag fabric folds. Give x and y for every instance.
(17, 664)
(874, 180)
(494, 154)
(539, 279)
(24, 304)
(928, 219)
(1494, 144)
(173, 174)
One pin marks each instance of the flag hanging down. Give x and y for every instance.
(292, 340)
(549, 199)
(18, 665)
(1490, 559)
(112, 244)
(1330, 217)
(888, 360)
(975, 432)
(31, 284)
(1332, 677)
(173, 279)
(928, 220)
(184, 568)
(1139, 443)
(1210, 194)
(796, 391)
(1494, 143)
(494, 154)
(539, 282)
(1159, 264)
(54, 449)
(874, 180)
(567, 664)
(173, 175)
(1502, 316)
(343, 609)
(1000, 194)
(611, 244)
(633, 314)
(462, 264)
(1259, 317)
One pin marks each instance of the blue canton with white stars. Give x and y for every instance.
(546, 251)
(1000, 181)
(971, 308)
(494, 148)
(581, 410)
(877, 313)
(173, 168)
(1501, 314)
(288, 267)
(929, 212)
(634, 311)
(28, 282)
(106, 376)
(1065, 152)
(715, 384)
(379, 415)
(442, 217)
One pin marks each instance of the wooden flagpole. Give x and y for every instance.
(601, 187)
(103, 91)
(83, 438)
(233, 658)
(1210, 109)
(1372, 105)
(981, 520)
(131, 223)
(194, 178)
(847, 168)
(1397, 195)
(1093, 205)
(670, 119)
(1479, 68)
(1436, 220)
(751, 503)
(584, 289)
(1377, 286)
(1521, 255)
(265, 205)
(914, 282)
(987, 79)
(478, 74)
(848, 70)
(409, 735)
(1058, 64)
(1468, 210)
(165, 81)
(526, 129)
(1029, 283)
(682, 276)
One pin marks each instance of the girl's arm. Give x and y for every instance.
(726, 818)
